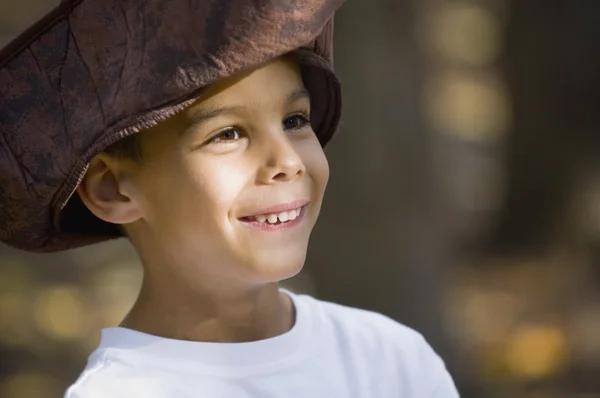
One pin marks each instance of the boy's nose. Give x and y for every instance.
(281, 160)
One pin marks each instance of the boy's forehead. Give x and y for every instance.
(273, 86)
(279, 80)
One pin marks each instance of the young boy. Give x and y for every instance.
(216, 177)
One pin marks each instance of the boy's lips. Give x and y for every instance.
(276, 217)
(277, 209)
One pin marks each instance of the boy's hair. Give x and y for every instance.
(128, 148)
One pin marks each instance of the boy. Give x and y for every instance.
(216, 174)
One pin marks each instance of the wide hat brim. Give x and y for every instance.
(93, 72)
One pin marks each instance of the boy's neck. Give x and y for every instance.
(241, 316)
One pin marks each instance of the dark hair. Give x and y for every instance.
(128, 148)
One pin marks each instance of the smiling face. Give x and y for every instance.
(229, 189)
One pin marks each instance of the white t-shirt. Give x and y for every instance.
(331, 352)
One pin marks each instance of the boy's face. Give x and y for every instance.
(219, 180)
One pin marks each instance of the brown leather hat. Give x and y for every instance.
(92, 72)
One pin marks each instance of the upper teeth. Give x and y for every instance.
(282, 217)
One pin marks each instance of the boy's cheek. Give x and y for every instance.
(317, 165)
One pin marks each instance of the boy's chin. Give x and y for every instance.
(274, 268)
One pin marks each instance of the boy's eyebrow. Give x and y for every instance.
(203, 114)
(297, 95)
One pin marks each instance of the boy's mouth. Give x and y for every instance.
(282, 215)
(275, 218)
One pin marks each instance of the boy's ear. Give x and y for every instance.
(106, 191)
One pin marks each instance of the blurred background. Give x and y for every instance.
(464, 202)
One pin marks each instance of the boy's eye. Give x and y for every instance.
(232, 134)
(228, 135)
(295, 122)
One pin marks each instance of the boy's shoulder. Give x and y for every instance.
(374, 333)
(388, 348)
(366, 322)
(105, 376)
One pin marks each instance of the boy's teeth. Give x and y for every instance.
(282, 217)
